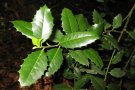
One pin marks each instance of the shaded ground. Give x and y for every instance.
(14, 47)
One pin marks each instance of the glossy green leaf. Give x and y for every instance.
(33, 68)
(82, 22)
(117, 58)
(24, 27)
(42, 24)
(117, 72)
(93, 56)
(132, 34)
(62, 87)
(98, 83)
(36, 42)
(117, 21)
(55, 60)
(78, 39)
(98, 28)
(97, 18)
(79, 57)
(69, 23)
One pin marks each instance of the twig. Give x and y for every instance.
(119, 38)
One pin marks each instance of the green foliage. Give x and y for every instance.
(132, 34)
(117, 72)
(33, 68)
(23, 27)
(69, 23)
(97, 18)
(78, 39)
(79, 57)
(55, 60)
(117, 58)
(117, 21)
(42, 24)
(71, 44)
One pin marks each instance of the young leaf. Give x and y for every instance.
(78, 39)
(117, 58)
(117, 21)
(55, 60)
(132, 34)
(93, 56)
(33, 68)
(82, 22)
(24, 27)
(98, 28)
(98, 83)
(117, 72)
(61, 87)
(36, 42)
(42, 24)
(69, 23)
(97, 18)
(79, 57)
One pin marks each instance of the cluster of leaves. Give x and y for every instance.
(83, 64)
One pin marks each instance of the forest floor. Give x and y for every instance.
(14, 47)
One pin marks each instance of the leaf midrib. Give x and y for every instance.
(35, 64)
(78, 38)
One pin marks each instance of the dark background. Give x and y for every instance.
(14, 47)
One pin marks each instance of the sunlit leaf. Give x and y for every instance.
(42, 24)
(33, 68)
(55, 60)
(79, 57)
(69, 23)
(117, 21)
(78, 39)
(24, 27)
(117, 72)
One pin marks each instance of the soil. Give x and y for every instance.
(14, 46)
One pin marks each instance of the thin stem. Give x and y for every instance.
(126, 65)
(119, 38)
(106, 73)
(50, 46)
